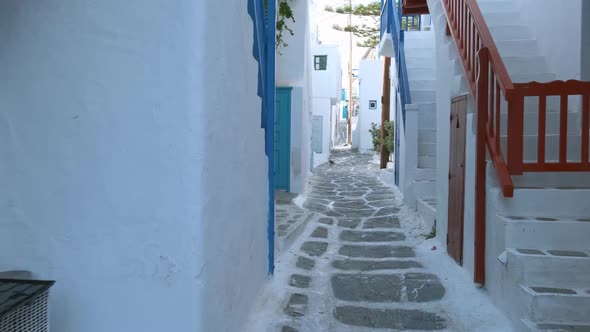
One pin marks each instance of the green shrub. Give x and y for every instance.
(376, 136)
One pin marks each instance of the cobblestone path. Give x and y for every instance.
(355, 270)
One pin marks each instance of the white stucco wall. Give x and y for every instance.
(327, 83)
(556, 24)
(444, 77)
(293, 69)
(322, 107)
(585, 71)
(121, 172)
(371, 88)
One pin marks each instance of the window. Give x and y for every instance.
(320, 62)
(372, 104)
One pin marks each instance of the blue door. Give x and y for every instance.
(282, 144)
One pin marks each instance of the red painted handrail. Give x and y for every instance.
(490, 83)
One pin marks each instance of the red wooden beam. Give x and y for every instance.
(480, 178)
(585, 127)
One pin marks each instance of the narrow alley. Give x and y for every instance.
(363, 263)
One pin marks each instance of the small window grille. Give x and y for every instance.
(320, 62)
(24, 305)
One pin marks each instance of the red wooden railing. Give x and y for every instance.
(491, 85)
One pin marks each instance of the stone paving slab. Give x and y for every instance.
(372, 236)
(305, 263)
(423, 287)
(371, 288)
(349, 223)
(372, 251)
(314, 248)
(320, 232)
(387, 211)
(299, 281)
(398, 319)
(382, 222)
(355, 265)
(359, 265)
(297, 305)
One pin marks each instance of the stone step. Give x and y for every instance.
(415, 61)
(410, 44)
(556, 304)
(428, 174)
(426, 136)
(495, 6)
(427, 120)
(552, 123)
(530, 77)
(530, 143)
(502, 18)
(419, 52)
(552, 105)
(426, 162)
(524, 65)
(558, 326)
(559, 203)
(424, 188)
(421, 74)
(426, 85)
(419, 35)
(427, 108)
(419, 96)
(522, 47)
(539, 232)
(541, 267)
(427, 149)
(426, 207)
(553, 179)
(510, 32)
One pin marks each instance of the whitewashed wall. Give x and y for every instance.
(371, 88)
(121, 172)
(327, 83)
(556, 24)
(293, 69)
(585, 71)
(322, 107)
(444, 79)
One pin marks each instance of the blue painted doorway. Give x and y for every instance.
(282, 141)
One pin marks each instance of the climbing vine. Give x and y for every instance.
(284, 17)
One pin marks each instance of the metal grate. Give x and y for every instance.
(30, 317)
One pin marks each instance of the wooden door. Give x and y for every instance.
(457, 178)
(282, 140)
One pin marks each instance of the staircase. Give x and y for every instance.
(537, 222)
(546, 224)
(420, 61)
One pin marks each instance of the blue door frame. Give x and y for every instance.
(282, 139)
(263, 50)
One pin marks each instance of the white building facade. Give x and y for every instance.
(127, 152)
(536, 235)
(370, 91)
(293, 70)
(326, 95)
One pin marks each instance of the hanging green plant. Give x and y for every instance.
(284, 17)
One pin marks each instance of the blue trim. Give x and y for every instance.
(263, 50)
(270, 132)
(391, 19)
